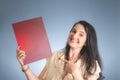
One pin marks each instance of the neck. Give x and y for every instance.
(74, 52)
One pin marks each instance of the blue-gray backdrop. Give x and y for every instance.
(59, 16)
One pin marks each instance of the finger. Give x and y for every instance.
(21, 57)
(20, 53)
(64, 60)
(17, 49)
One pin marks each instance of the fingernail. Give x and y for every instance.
(59, 58)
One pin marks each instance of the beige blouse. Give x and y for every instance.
(55, 68)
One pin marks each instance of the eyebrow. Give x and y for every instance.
(79, 31)
(82, 32)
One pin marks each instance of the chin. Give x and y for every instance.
(72, 45)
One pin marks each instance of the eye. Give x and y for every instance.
(74, 31)
(81, 34)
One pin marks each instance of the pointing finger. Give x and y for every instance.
(64, 60)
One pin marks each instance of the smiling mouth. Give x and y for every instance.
(74, 40)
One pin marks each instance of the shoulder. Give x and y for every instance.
(58, 54)
(98, 70)
(96, 74)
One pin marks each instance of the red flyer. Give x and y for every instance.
(32, 38)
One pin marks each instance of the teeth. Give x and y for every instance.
(74, 40)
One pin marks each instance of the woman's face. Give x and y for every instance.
(77, 37)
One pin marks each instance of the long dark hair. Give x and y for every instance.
(89, 52)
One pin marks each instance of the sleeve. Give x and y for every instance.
(48, 61)
(52, 72)
(96, 75)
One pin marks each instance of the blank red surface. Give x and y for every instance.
(32, 38)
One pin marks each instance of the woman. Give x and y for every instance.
(80, 60)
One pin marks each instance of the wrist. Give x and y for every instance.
(25, 68)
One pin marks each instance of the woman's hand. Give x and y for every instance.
(20, 54)
(72, 68)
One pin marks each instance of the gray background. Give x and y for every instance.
(59, 16)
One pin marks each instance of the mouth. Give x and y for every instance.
(74, 40)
